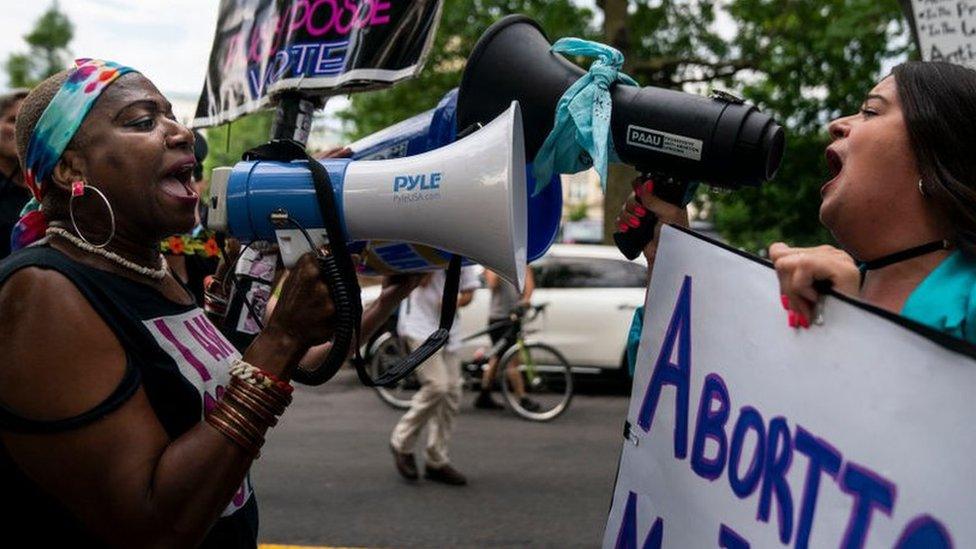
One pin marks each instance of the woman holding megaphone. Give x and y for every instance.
(126, 418)
(901, 203)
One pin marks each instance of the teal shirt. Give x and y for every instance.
(633, 339)
(946, 299)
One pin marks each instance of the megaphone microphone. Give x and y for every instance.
(672, 136)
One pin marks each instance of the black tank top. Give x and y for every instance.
(183, 363)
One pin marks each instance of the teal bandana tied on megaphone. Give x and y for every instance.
(580, 137)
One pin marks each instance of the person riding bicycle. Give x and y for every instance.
(505, 299)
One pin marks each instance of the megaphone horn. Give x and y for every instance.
(467, 198)
(719, 140)
(431, 130)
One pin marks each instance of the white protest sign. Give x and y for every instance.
(946, 30)
(745, 432)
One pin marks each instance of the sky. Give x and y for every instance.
(168, 40)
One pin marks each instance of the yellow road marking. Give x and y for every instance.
(277, 546)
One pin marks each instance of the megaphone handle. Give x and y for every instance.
(337, 269)
(434, 342)
(632, 241)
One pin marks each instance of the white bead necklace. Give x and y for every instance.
(155, 274)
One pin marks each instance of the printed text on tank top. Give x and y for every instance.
(204, 357)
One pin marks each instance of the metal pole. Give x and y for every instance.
(293, 116)
(908, 8)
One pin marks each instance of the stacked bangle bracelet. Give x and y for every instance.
(251, 403)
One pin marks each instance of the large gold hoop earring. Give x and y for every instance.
(78, 188)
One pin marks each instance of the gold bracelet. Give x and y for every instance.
(251, 434)
(258, 409)
(246, 424)
(250, 405)
(225, 428)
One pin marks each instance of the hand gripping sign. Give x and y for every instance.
(742, 432)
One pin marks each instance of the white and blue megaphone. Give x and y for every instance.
(437, 128)
(468, 198)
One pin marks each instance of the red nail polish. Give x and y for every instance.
(803, 320)
(641, 212)
(649, 187)
(623, 227)
(785, 300)
(633, 222)
(791, 320)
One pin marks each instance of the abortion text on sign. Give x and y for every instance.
(946, 30)
(746, 433)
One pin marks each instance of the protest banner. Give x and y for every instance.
(320, 47)
(743, 432)
(944, 30)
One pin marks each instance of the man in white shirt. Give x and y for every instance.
(439, 398)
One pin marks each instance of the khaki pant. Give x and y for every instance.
(436, 403)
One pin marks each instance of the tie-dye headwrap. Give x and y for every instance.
(54, 130)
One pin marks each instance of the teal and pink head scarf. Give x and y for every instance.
(55, 128)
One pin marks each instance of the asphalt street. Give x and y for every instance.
(326, 476)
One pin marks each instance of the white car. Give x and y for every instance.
(591, 293)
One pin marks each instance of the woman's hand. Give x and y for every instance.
(799, 268)
(305, 310)
(637, 206)
(227, 262)
(397, 287)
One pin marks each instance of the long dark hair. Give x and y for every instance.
(939, 106)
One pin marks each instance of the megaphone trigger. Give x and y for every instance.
(632, 241)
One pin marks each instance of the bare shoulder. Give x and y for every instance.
(58, 358)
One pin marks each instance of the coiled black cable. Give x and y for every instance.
(347, 316)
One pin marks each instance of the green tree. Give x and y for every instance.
(228, 142)
(462, 23)
(578, 212)
(48, 53)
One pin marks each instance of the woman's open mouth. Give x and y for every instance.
(177, 182)
(834, 166)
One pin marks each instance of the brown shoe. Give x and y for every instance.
(446, 474)
(405, 464)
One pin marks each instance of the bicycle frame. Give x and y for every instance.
(517, 356)
(515, 324)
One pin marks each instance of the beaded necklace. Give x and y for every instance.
(155, 274)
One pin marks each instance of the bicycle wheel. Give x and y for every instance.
(386, 351)
(546, 377)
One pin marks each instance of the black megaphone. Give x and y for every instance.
(672, 136)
